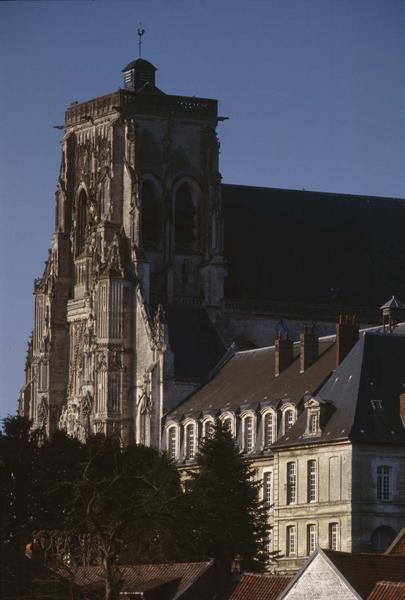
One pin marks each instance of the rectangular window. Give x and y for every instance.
(248, 434)
(171, 445)
(291, 483)
(267, 488)
(314, 423)
(312, 481)
(268, 430)
(311, 539)
(333, 536)
(291, 541)
(270, 541)
(383, 483)
(189, 442)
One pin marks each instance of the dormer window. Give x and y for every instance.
(289, 416)
(269, 419)
(248, 434)
(315, 416)
(314, 423)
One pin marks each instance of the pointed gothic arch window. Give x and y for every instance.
(151, 222)
(185, 224)
(144, 425)
(81, 222)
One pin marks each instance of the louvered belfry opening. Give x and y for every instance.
(151, 228)
(185, 219)
(81, 222)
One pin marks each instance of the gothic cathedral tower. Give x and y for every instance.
(138, 230)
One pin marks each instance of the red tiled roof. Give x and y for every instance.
(259, 587)
(387, 590)
(363, 571)
(138, 578)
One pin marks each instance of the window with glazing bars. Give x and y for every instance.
(267, 488)
(291, 482)
(288, 419)
(333, 536)
(312, 481)
(248, 434)
(268, 430)
(228, 424)
(311, 539)
(291, 541)
(189, 442)
(171, 442)
(383, 483)
(208, 429)
(314, 423)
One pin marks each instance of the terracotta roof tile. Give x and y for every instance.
(386, 590)
(144, 577)
(259, 587)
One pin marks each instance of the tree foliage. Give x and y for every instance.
(227, 517)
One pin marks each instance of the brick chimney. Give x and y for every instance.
(283, 354)
(347, 334)
(309, 348)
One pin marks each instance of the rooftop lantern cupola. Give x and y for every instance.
(393, 312)
(139, 73)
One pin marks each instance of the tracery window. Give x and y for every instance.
(151, 222)
(81, 222)
(190, 441)
(185, 225)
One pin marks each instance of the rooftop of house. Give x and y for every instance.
(387, 590)
(363, 394)
(368, 575)
(253, 586)
(248, 378)
(171, 579)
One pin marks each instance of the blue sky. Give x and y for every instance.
(314, 91)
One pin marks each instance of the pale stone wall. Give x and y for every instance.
(319, 581)
(332, 505)
(368, 512)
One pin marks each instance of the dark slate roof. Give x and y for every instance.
(141, 65)
(302, 246)
(363, 571)
(247, 378)
(393, 303)
(253, 586)
(195, 341)
(373, 371)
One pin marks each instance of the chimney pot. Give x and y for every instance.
(309, 348)
(347, 334)
(284, 353)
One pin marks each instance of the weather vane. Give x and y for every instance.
(141, 31)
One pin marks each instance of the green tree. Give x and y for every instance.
(227, 518)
